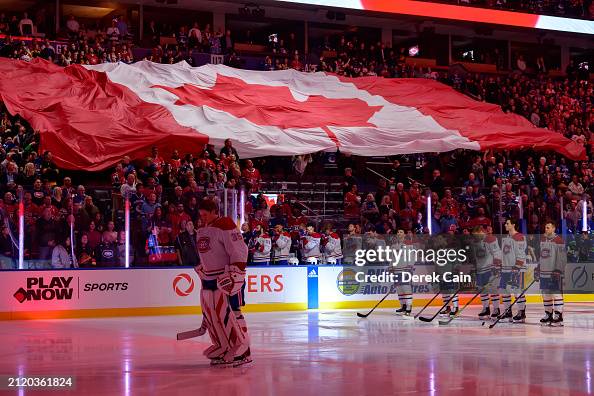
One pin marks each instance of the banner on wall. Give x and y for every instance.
(137, 288)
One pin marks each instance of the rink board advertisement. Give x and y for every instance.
(138, 291)
(161, 291)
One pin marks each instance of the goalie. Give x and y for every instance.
(223, 255)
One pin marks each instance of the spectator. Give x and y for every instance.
(62, 255)
(25, 26)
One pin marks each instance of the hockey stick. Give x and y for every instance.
(445, 322)
(512, 304)
(423, 319)
(376, 305)
(426, 305)
(185, 335)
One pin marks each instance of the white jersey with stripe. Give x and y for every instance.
(487, 254)
(220, 245)
(281, 245)
(514, 252)
(262, 253)
(332, 249)
(553, 255)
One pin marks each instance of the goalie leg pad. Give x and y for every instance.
(223, 327)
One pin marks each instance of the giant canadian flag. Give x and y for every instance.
(91, 116)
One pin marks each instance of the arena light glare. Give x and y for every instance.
(461, 13)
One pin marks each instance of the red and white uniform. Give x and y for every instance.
(220, 245)
(487, 254)
(514, 252)
(223, 256)
(282, 246)
(311, 245)
(332, 248)
(262, 252)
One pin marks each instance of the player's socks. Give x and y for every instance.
(495, 313)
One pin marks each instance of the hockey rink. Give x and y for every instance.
(307, 353)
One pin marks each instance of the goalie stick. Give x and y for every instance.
(185, 335)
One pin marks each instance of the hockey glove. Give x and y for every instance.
(537, 274)
(232, 281)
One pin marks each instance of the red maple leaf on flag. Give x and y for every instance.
(275, 106)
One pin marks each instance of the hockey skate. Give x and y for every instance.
(557, 320)
(243, 359)
(446, 311)
(507, 315)
(520, 316)
(485, 313)
(547, 319)
(220, 362)
(495, 313)
(454, 311)
(401, 310)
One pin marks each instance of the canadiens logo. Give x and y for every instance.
(480, 252)
(506, 249)
(545, 253)
(204, 244)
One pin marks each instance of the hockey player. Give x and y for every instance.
(449, 290)
(332, 248)
(262, 246)
(281, 244)
(550, 270)
(405, 264)
(310, 245)
(513, 247)
(223, 256)
(487, 256)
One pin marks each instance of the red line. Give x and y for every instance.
(331, 135)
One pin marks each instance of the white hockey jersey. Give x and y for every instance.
(220, 245)
(311, 245)
(487, 254)
(406, 259)
(281, 245)
(553, 255)
(332, 249)
(514, 252)
(352, 243)
(262, 253)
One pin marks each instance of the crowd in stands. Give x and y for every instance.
(165, 192)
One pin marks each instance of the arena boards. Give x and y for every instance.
(175, 291)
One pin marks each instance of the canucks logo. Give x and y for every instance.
(346, 282)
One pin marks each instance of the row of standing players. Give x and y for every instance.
(500, 274)
(223, 256)
(283, 247)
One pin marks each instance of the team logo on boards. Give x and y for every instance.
(346, 282)
(38, 288)
(579, 277)
(183, 284)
